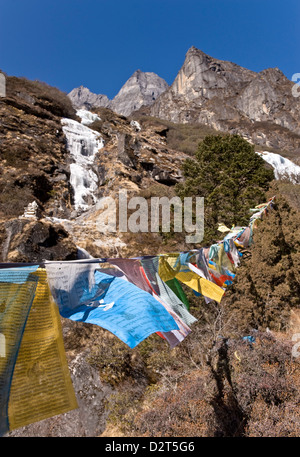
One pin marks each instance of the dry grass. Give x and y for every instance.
(40, 94)
(180, 137)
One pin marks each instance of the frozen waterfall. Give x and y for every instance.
(83, 144)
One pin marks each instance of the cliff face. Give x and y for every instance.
(141, 89)
(221, 94)
(203, 78)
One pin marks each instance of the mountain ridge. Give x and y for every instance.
(141, 89)
(220, 94)
(230, 98)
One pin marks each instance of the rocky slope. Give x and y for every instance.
(133, 157)
(141, 89)
(34, 159)
(66, 162)
(34, 167)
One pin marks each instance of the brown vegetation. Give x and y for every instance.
(217, 383)
(244, 390)
(180, 137)
(43, 99)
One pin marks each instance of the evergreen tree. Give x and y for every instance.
(230, 176)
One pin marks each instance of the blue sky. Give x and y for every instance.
(100, 43)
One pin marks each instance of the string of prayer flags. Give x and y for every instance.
(170, 267)
(175, 286)
(166, 294)
(111, 302)
(136, 274)
(131, 298)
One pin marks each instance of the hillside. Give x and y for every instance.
(36, 132)
(215, 383)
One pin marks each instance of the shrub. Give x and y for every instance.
(243, 389)
(266, 286)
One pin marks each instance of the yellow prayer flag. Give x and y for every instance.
(203, 286)
(168, 270)
(41, 385)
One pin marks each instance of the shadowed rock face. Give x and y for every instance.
(35, 241)
(231, 98)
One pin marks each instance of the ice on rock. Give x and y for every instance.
(87, 117)
(283, 168)
(83, 144)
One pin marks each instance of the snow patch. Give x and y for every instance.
(136, 125)
(283, 168)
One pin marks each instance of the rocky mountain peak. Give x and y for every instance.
(231, 98)
(273, 74)
(82, 97)
(141, 89)
(203, 76)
